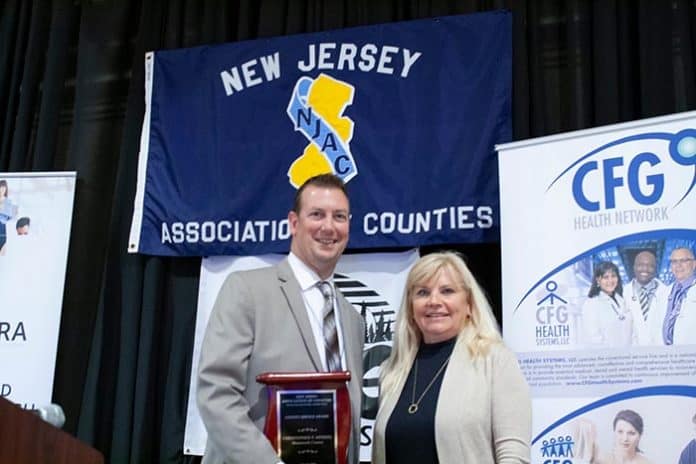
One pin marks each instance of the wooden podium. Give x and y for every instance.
(24, 437)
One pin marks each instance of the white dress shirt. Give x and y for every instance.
(314, 303)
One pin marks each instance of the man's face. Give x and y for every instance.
(682, 264)
(320, 229)
(644, 267)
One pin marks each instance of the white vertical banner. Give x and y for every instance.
(35, 218)
(585, 216)
(373, 283)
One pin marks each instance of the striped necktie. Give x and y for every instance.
(673, 309)
(644, 301)
(333, 355)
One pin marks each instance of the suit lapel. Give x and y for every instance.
(349, 334)
(291, 290)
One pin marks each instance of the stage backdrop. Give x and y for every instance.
(573, 202)
(373, 283)
(35, 218)
(406, 113)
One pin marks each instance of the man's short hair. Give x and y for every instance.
(21, 222)
(685, 248)
(321, 180)
(645, 250)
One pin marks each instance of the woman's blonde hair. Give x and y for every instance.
(477, 332)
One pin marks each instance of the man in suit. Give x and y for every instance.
(271, 320)
(642, 295)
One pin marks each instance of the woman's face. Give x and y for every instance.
(440, 307)
(3, 190)
(626, 436)
(608, 281)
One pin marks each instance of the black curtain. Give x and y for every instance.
(72, 98)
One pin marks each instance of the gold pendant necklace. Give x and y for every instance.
(413, 407)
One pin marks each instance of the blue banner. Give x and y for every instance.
(406, 113)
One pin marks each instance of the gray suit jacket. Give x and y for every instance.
(260, 324)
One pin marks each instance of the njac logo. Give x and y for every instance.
(638, 169)
(316, 109)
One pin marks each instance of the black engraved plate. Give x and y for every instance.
(307, 432)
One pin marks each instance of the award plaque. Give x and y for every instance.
(308, 418)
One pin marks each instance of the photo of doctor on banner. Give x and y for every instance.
(636, 293)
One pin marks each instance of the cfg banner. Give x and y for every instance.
(407, 114)
(35, 218)
(598, 231)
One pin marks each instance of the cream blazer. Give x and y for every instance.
(483, 412)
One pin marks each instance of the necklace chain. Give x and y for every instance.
(413, 407)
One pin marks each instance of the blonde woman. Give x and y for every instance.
(450, 392)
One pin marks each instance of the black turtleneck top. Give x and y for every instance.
(410, 438)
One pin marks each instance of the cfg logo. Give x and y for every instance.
(623, 168)
(558, 450)
(612, 178)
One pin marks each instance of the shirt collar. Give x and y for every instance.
(305, 276)
(650, 286)
(687, 282)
